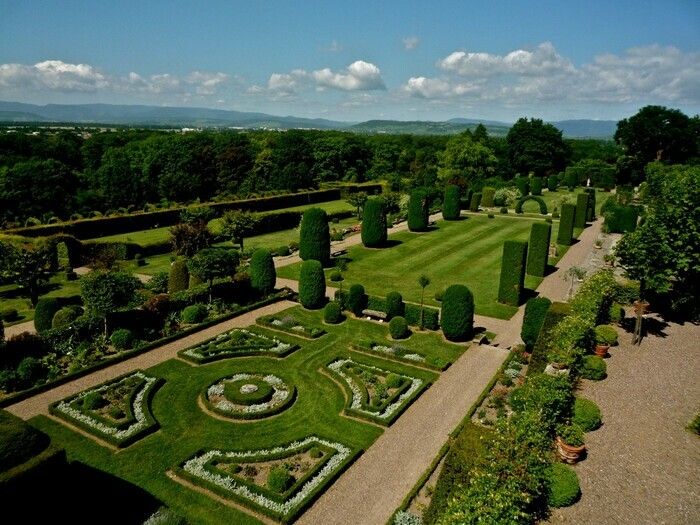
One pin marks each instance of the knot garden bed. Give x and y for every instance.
(249, 396)
(290, 324)
(238, 342)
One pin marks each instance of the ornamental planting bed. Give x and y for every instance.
(290, 324)
(237, 343)
(400, 352)
(249, 396)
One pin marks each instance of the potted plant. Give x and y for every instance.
(570, 442)
(598, 243)
(605, 337)
(560, 362)
(609, 259)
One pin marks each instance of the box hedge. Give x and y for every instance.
(512, 280)
(374, 227)
(566, 224)
(19, 441)
(457, 313)
(451, 204)
(538, 248)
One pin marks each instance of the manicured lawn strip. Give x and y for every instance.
(553, 198)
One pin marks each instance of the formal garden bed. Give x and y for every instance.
(290, 324)
(402, 353)
(249, 396)
(117, 412)
(238, 342)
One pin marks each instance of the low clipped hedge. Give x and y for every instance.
(586, 414)
(431, 315)
(564, 489)
(512, 280)
(457, 313)
(19, 441)
(566, 224)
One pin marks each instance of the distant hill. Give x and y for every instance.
(134, 115)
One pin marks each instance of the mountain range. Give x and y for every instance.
(138, 115)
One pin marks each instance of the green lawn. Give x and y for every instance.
(467, 251)
(555, 199)
(186, 428)
(12, 297)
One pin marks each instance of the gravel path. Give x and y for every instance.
(643, 466)
(20, 328)
(39, 404)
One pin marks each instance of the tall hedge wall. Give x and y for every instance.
(487, 194)
(418, 211)
(538, 248)
(451, 203)
(314, 236)
(262, 271)
(512, 281)
(536, 186)
(475, 202)
(312, 285)
(581, 210)
(566, 224)
(374, 223)
(457, 313)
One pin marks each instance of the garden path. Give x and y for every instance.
(643, 465)
(20, 328)
(39, 404)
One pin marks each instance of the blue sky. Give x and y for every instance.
(357, 60)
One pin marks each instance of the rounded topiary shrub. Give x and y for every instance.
(122, 339)
(563, 484)
(332, 313)
(394, 305)
(46, 308)
(279, 479)
(457, 313)
(417, 211)
(357, 299)
(314, 236)
(374, 223)
(586, 414)
(605, 335)
(312, 284)
(262, 271)
(195, 313)
(179, 278)
(594, 368)
(451, 204)
(398, 328)
(65, 316)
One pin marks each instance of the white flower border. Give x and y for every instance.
(356, 404)
(280, 395)
(376, 347)
(138, 409)
(196, 467)
(279, 347)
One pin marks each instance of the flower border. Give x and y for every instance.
(280, 349)
(369, 348)
(267, 321)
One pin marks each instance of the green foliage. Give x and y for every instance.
(535, 313)
(466, 159)
(64, 317)
(594, 368)
(237, 225)
(104, 292)
(512, 280)
(487, 195)
(533, 146)
(451, 203)
(179, 278)
(571, 434)
(590, 208)
(29, 371)
(539, 358)
(122, 339)
(566, 224)
(357, 299)
(213, 263)
(279, 479)
(312, 284)
(418, 211)
(694, 425)
(548, 396)
(394, 305)
(581, 210)
(523, 185)
(586, 414)
(523, 200)
(46, 308)
(538, 249)
(398, 328)
(332, 313)
(188, 239)
(536, 186)
(474, 202)
(552, 183)
(19, 441)
(195, 313)
(28, 264)
(605, 335)
(374, 227)
(457, 313)
(314, 236)
(620, 219)
(564, 487)
(263, 275)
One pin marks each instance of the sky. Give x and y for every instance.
(358, 60)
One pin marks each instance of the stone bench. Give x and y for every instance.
(374, 314)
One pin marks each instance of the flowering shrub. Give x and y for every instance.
(252, 396)
(235, 343)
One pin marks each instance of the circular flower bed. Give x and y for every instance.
(249, 396)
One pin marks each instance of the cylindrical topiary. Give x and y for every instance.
(566, 224)
(262, 271)
(457, 313)
(314, 236)
(523, 185)
(179, 278)
(312, 285)
(571, 178)
(535, 312)
(487, 194)
(475, 202)
(536, 186)
(398, 328)
(512, 281)
(451, 203)
(332, 313)
(590, 210)
(418, 211)
(581, 210)
(563, 484)
(357, 299)
(538, 248)
(374, 223)
(552, 182)
(45, 309)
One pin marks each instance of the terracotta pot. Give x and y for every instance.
(569, 454)
(601, 350)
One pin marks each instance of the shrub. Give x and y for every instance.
(474, 202)
(487, 195)
(394, 305)
(179, 278)
(620, 219)
(451, 203)
(594, 368)
(315, 453)
(122, 339)
(538, 248)
(337, 235)
(457, 313)
(195, 313)
(9, 314)
(566, 224)
(564, 487)
(605, 335)
(535, 312)
(262, 271)
(279, 479)
(282, 251)
(159, 306)
(552, 183)
(29, 371)
(393, 381)
(418, 211)
(19, 441)
(439, 295)
(398, 328)
(374, 223)
(586, 414)
(336, 276)
(140, 261)
(548, 396)
(314, 236)
(65, 316)
(331, 313)
(159, 282)
(312, 284)
(539, 200)
(536, 186)
(523, 185)
(491, 216)
(571, 434)
(46, 308)
(571, 178)
(357, 299)
(590, 208)
(504, 210)
(512, 279)
(581, 210)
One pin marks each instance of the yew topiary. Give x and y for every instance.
(262, 271)
(374, 227)
(451, 203)
(538, 248)
(179, 278)
(395, 306)
(418, 211)
(457, 313)
(312, 285)
(314, 236)
(512, 281)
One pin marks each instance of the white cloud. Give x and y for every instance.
(52, 75)
(410, 42)
(358, 76)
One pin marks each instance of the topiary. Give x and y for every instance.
(312, 284)
(605, 335)
(394, 305)
(19, 441)
(418, 211)
(535, 312)
(398, 328)
(538, 249)
(539, 200)
(487, 195)
(336, 276)
(566, 224)
(279, 479)
(45, 309)
(262, 271)
(504, 210)
(332, 313)
(563, 486)
(65, 316)
(314, 236)
(457, 313)
(393, 381)
(193, 314)
(536, 186)
(586, 414)
(373, 232)
(594, 367)
(122, 339)
(474, 202)
(179, 278)
(523, 185)
(451, 203)
(581, 210)
(357, 299)
(512, 280)
(552, 183)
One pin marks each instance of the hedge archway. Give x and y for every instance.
(539, 200)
